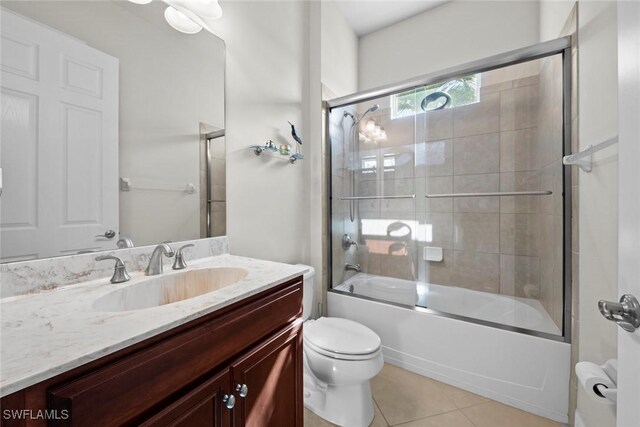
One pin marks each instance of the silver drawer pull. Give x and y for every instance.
(229, 401)
(242, 390)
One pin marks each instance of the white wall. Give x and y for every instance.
(598, 202)
(553, 15)
(339, 47)
(597, 190)
(453, 33)
(267, 73)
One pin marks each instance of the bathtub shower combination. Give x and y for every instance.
(450, 223)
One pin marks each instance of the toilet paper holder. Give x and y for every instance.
(605, 393)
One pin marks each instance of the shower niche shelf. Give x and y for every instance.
(272, 150)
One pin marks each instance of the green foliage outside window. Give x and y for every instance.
(463, 91)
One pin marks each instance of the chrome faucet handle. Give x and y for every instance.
(179, 262)
(155, 262)
(120, 274)
(347, 242)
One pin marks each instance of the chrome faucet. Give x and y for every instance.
(155, 262)
(353, 267)
(347, 242)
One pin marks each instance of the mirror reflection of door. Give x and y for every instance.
(104, 110)
(60, 193)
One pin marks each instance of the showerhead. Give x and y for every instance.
(371, 109)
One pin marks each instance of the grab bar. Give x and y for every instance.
(499, 194)
(408, 196)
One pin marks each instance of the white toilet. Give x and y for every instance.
(340, 357)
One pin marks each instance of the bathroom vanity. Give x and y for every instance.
(229, 357)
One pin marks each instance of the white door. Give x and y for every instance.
(628, 410)
(59, 143)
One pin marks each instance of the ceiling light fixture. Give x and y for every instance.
(190, 16)
(179, 21)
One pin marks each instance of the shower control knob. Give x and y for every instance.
(229, 401)
(242, 390)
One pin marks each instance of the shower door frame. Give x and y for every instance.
(560, 46)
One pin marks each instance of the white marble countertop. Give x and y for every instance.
(51, 332)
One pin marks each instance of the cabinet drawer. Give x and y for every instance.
(122, 392)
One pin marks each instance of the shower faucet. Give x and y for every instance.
(347, 242)
(353, 267)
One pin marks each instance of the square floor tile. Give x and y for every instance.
(405, 396)
(494, 414)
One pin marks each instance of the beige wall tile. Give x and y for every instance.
(479, 118)
(477, 232)
(519, 151)
(476, 154)
(520, 276)
(520, 234)
(439, 229)
(439, 185)
(439, 273)
(434, 125)
(403, 159)
(434, 158)
(519, 108)
(476, 270)
(520, 181)
(476, 184)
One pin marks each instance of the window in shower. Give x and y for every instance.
(463, 91)
(459, 210)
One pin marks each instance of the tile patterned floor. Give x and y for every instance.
(405, 399)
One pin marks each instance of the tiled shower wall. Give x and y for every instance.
(509, 141)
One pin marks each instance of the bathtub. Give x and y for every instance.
(519, 312)
(525, 371)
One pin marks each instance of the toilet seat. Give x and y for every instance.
(341, 339)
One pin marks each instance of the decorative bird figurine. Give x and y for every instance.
(294, 134)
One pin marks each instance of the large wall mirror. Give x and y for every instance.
(112, 129)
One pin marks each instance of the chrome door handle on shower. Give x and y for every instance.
(109, 234)
(625, 313)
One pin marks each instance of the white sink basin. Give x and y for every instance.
(161, 290)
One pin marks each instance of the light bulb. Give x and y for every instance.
(370, 126)
(141, 1)
(180, 21)
(383, 135)
(376, 130)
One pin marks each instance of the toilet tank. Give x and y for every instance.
(307, 292)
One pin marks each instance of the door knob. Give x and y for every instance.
(625, 313)
(242, 390)
(229, 401)
(109, 234)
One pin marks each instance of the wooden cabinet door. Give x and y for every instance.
(204, 406)
(272, 374)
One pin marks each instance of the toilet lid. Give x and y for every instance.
(341, 336)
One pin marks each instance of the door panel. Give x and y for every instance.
(202, 407)
(273, 375)
(59, 151)
(628, 410)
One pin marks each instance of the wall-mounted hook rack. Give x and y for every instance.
(584, 159)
